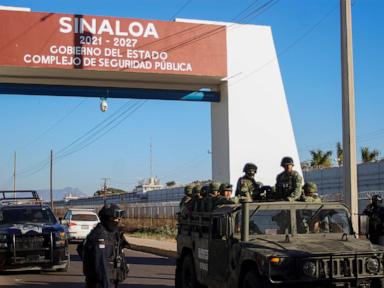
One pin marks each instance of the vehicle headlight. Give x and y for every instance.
(372, 265)
(309, 269)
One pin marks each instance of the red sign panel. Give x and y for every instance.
(48, 40)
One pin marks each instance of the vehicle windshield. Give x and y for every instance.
(322, 221)
(27, 215)
(269, 222)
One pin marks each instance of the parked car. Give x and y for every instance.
(80, 222)
(31, 238)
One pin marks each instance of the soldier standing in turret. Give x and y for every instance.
(288, 183)
(246, 186)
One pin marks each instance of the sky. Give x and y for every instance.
(307, 40)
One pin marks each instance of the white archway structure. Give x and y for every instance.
(237, 63)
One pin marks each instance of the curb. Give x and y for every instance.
(150, 246)
(154, 250)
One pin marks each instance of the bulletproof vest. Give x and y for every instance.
(286, 184)
(108, 244)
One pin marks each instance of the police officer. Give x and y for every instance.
(246, 186)
(375, 213)
(104, 263)
(288, 183)
(310, 193)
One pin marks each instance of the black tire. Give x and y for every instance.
(67, 265)
(252, 280)
(66, 268)
(188, 275)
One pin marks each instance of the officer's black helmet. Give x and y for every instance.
(249, 166)
(111, 211)
(286, 161)
(377, 199)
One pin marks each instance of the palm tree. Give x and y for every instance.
(321, 159)
(368, 155)
(340, 154)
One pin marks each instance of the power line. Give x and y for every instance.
(54, 125)
(282, 52)
(66, 151)
(181, 9)
(260, 9)
(97, 128)
(91, 141)
(190, 164)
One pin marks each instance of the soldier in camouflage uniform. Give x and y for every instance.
(204, 192)
(288, 183)
(310, 193)
(211, 199)
(226, 195)
(196, 198)
(186, 201)
(246, 186)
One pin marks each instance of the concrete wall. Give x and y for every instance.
(370, 178)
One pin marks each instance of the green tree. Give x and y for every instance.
(170, 183)
(340, 154)
(369, 155)
(109, 191)
(321, 159)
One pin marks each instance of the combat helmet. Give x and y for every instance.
(249, 166)
(214, 186)
(310, 187)
(111, 211)
(188, 190)
(286, 161)
(196, 189)
(225, 187)
(376, 199)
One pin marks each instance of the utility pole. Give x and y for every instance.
(14, 175)
(50, 180)
(150, 159)
(348, 110)
(104, 188)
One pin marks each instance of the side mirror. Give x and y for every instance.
(363, 225)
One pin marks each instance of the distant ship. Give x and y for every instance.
(69, 196)
(146, 185)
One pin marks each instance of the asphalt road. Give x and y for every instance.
(146, 271)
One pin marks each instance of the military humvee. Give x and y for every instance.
(275, 244)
